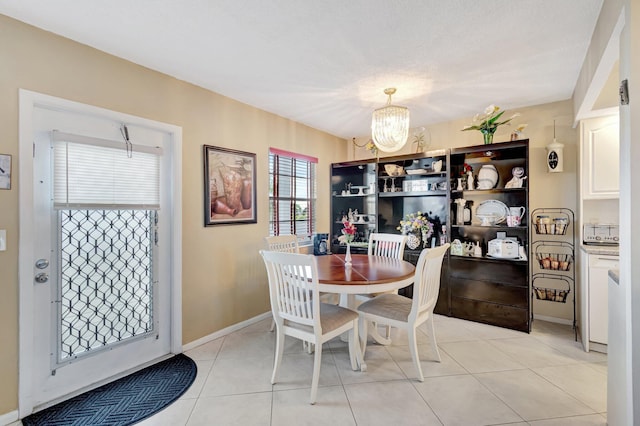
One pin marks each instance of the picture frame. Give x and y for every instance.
(320, 244)
(229, 186)
(5, 171)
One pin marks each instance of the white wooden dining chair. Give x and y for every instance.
(289, 244)
(402, 312)
(285, 244)
(298, 312)
(386, 245)
(282, 243)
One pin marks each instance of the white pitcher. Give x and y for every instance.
(517, 211)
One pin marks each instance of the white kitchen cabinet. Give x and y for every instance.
(600, 146)
(594, 315)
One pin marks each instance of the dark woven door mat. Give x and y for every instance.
(125, 401)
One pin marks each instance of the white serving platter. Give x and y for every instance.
(494, 208)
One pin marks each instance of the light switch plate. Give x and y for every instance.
(3, 239)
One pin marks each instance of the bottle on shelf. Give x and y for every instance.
(477, 250)
(443, 235)
(466, 215)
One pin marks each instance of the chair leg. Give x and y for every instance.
(354, 342)
(317, 360)
(413, 345)
(363, 323)
(273, 325)
(278, 358)
(432, 336)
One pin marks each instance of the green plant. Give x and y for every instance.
(489, 121)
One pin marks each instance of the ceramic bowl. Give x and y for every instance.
(394, 170)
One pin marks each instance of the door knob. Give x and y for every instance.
(42, 263)
(42, 277)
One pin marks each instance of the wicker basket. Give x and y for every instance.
(551, 228)
(555, 261)
(551, 294)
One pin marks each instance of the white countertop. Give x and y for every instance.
(605, 250)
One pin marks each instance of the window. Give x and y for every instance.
(292, 193)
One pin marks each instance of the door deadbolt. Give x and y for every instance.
(42, 263)
(42, 277)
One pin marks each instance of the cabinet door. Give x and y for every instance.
(600, 158)
(598, 295)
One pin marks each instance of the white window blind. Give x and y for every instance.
(292, 193)
(98, 173)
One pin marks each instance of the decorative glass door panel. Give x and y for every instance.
(106, 279)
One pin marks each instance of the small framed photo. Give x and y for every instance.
(320, 244)
(229, 186)
(5, 171)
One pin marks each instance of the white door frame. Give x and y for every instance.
(28, 102)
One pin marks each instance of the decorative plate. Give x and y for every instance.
(416, 171)
(495, 208)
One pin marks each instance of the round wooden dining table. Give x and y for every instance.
(367, 274)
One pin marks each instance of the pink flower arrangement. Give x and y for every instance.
(348, 232)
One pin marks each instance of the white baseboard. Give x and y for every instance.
(8, 418)
(598, 347)
(553, 319)
(221, 333)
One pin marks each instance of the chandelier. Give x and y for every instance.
(390, 125)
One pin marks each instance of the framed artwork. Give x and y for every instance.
(5, 171)
(229, 186)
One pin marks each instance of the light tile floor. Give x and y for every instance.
(488, 376)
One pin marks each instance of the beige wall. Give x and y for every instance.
(223, 279)
(546, 189)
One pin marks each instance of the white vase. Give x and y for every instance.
(487, 177)
(347, 257)
(470, 181)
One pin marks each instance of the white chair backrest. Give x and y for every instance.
(387, 245)
(293, 286)
(283, 243)
(426, 285)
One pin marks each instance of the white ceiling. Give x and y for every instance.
(325, 63)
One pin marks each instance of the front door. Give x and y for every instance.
(101, 287)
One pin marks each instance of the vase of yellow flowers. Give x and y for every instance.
(348, 234)
(417, 227)
(488, 122)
